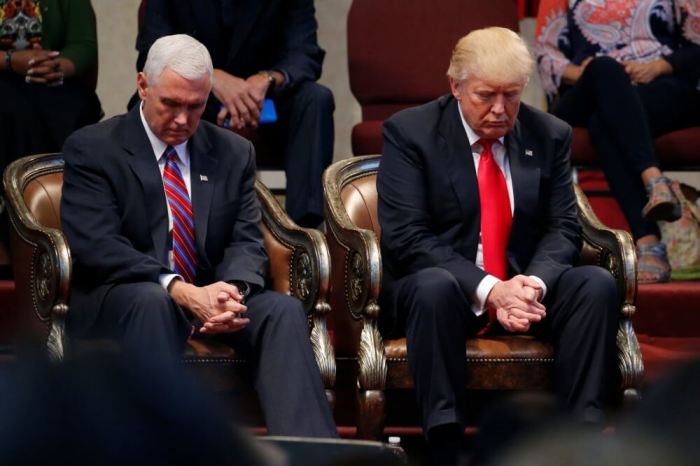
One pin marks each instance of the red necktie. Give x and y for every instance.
(184, 255)
(496, 217)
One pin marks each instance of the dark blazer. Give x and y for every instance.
(243, 36)
(429, 196)
(114, 214)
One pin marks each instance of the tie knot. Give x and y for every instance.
(486, 145)
(170, 154)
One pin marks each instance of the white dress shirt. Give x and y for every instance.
(183, 163)
(500, 156)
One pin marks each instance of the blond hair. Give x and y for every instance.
(495, 54)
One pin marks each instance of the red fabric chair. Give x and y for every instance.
(677, 150)
(399, 50)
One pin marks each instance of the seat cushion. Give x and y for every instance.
(493, 363)
(678, 149)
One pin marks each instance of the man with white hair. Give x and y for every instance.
(479, 235)
(162, 218)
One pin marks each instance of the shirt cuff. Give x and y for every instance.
(544, 287)
(482, 292)
(166, 278)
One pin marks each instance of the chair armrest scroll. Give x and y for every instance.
(614, 251)
(40, 258)
(308, 274)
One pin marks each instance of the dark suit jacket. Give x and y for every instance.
(429, 196)
(243, 36)
(114, 214)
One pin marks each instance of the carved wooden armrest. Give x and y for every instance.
(40, 258)
(614, 251)
(362, 268)
(306, 272)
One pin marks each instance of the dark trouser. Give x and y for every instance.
(623, 120)
(304, 135)
(276, 342)
(35, 118)
(581, 322)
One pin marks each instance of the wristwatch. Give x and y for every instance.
(270, 77)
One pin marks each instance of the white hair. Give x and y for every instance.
(183, 54)
(493, 53)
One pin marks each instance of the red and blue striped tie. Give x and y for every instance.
(184, 255)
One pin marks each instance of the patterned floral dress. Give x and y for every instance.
(569, 31)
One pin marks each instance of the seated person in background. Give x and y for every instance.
(163, 223)
(479, 235)
(629, 72)
(262, 49)
(47, 75)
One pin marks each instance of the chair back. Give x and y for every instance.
(399, 51)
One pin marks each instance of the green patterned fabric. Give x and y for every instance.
(67, 26)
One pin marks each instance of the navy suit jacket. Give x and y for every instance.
(242, 36)
(114, 213)
(429, 197)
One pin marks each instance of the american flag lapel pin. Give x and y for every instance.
(528, 152)
(203, 178)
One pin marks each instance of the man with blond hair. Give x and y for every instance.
(479, 235)
(163, 221)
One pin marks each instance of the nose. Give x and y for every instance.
(181, 117)
(498, 106)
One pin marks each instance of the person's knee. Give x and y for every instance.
(287, 310)
(605, 67)
(598, 286)
(312, 93)
(150, 294)
(435, 285)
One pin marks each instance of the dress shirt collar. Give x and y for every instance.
(159, 146)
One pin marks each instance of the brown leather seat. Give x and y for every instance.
(493, 363)
(299, 265)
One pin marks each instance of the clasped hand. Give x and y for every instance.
(516, 302)
(39, 66)
(242, 99)
(218, 306)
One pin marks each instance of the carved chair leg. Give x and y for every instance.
(371, 415)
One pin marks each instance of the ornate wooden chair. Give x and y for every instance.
(299, 266)
(494, 363)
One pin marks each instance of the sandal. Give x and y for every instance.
(662, 204)
(652, 264)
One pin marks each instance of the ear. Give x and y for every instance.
(142, 85)
(456, 88)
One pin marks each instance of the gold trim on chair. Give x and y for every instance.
(51, 262)
(614, 250)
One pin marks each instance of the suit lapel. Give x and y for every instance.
(145, 167)
(244, 18)
(203, 170)
(525, 175)
(459, 163)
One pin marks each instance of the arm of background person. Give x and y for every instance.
(551, 28)
(80, 47)
(157, 22)
(301, 58)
